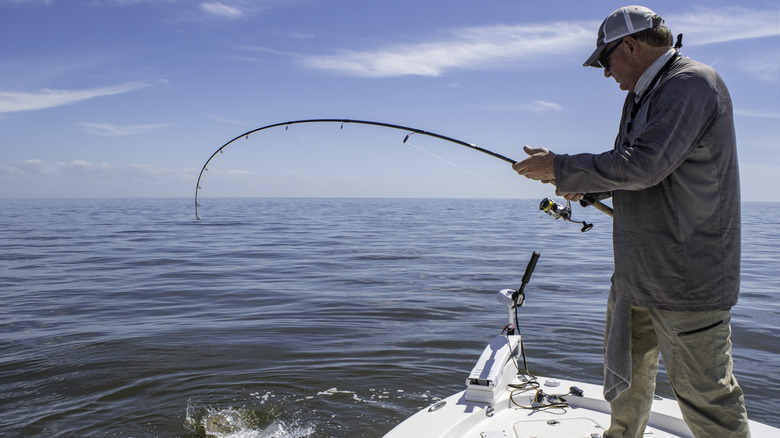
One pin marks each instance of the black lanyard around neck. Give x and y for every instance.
(648, 91)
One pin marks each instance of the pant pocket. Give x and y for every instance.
(699, 330)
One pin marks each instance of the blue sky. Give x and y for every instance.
(128, 98)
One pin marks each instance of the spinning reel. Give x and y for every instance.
(558, 211)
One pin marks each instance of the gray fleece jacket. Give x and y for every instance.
(674, 182)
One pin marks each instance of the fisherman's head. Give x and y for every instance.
(621, 37)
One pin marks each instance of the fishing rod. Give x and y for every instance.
(411, 131)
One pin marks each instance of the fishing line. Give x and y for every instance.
(474, 174)
(547, 206)
(493, 183)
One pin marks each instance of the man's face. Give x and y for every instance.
(621, 68)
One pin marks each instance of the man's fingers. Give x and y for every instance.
(574, 197)
(533, 151)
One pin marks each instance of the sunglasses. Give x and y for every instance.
(603, 60)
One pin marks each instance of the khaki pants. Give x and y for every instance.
(696, 349)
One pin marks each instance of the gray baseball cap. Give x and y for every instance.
(625, 21)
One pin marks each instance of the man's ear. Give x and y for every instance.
(631, 43)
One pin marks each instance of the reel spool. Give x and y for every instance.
(558, 211)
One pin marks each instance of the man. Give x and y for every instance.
(674, 183)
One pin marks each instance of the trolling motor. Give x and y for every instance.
(513, 299)
(558, 211)
(499, 362)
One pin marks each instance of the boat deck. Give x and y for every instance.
(527, 413)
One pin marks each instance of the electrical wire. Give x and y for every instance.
(542, 401)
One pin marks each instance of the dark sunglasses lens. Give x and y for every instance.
(603, 60)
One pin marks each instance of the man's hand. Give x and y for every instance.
(538, 166)
(574, 197)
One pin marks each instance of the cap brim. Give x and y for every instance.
(592, 61)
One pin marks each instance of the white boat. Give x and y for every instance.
(503, 400)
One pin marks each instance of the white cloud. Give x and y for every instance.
(56, 168)
(25, 2)
(110, 130)
(733, 23)
(475, 47)
(301, 35)
(537, 106)
(80, 178)
(542, 106)
(226, 120)
(488, 46)
(13, 101)
(221, 10)
(757, 114)
(763, 66)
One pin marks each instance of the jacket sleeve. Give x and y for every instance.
(678, 114)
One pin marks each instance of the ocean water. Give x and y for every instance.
(307, 317)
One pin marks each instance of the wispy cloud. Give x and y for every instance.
(474, 47)
(708, 25)
(221, 10)
(24, 2)
(110, 130)
(537, 106)
(523, 44)
(757, 114)
(13, 101)
(226, 120)
(36, 167)
(763, 66)
(35, 177)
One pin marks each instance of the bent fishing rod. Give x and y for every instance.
(555, 210)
